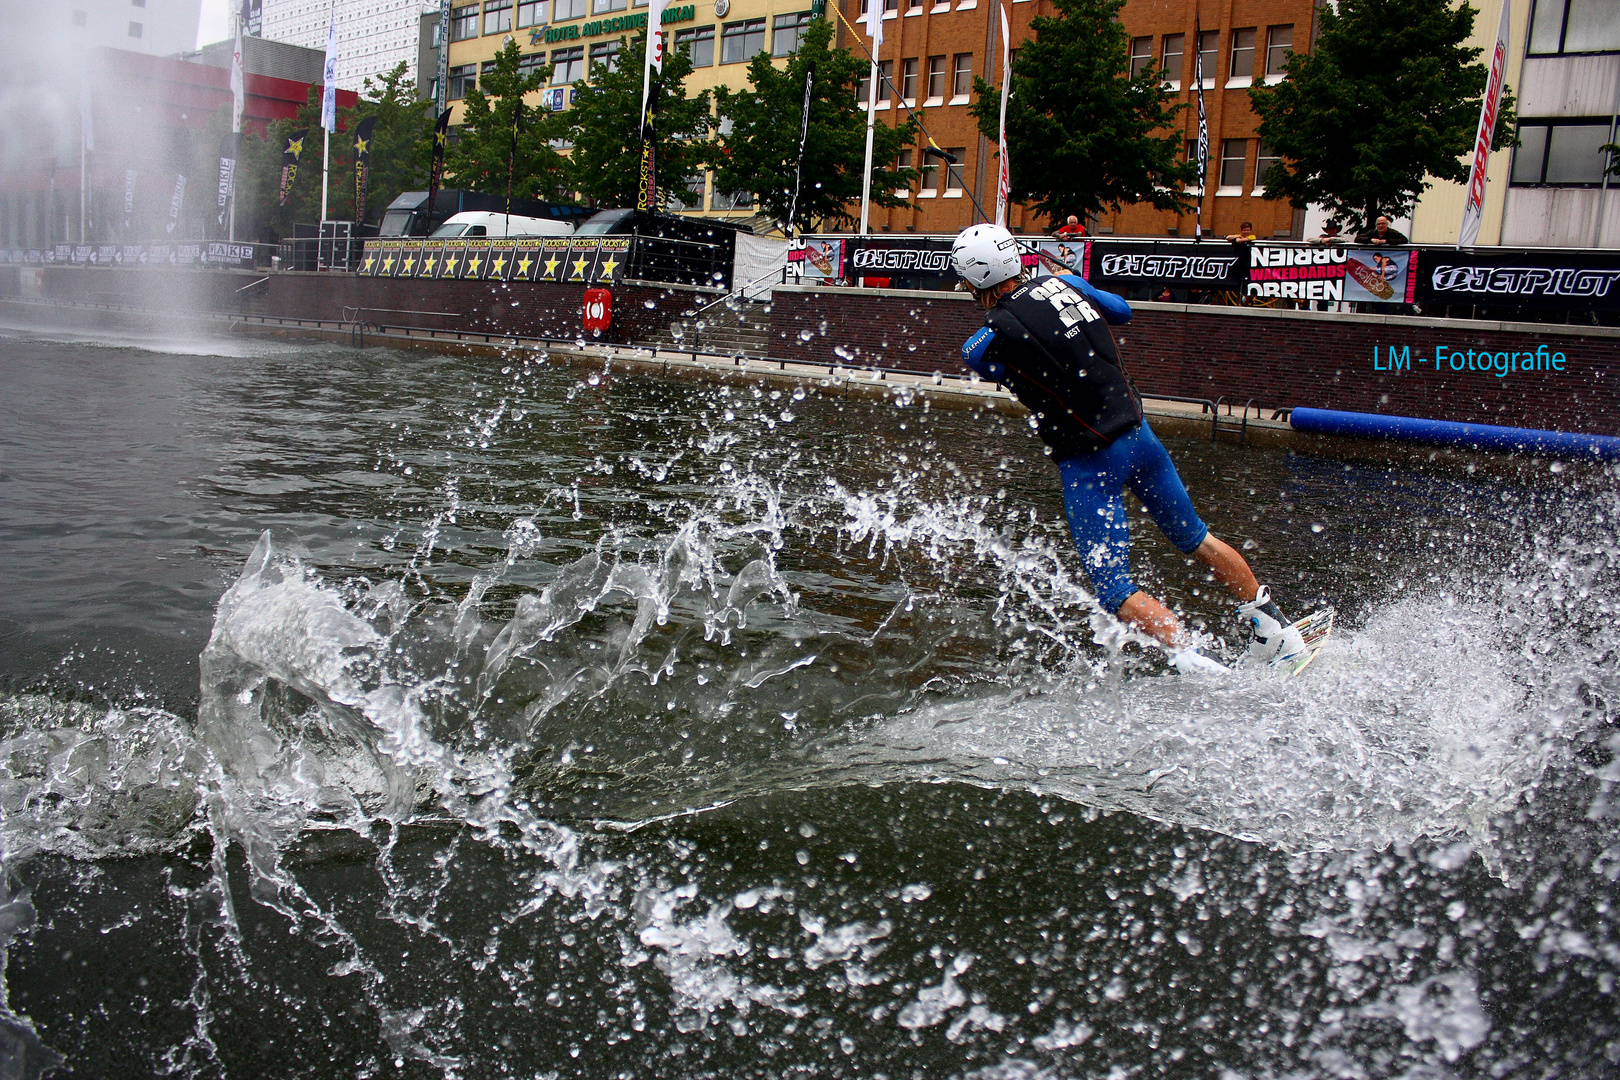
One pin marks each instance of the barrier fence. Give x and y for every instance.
(210, 254)
(1254, 272)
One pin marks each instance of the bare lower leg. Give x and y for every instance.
(1230, 568)
(1151, 617)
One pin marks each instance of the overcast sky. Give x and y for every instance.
(215, 23)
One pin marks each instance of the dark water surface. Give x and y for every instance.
(358, 708)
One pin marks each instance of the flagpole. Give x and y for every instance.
(871, 123)
(1003, 170)
(239, 81)
(327, 103)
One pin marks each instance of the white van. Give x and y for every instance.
(484, 223)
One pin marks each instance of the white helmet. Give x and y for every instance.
(986, 255)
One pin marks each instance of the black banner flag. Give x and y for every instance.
(441, 135)
(227, 174)
(804, 134)
(289, 162)
(362, 165)
(647, 197)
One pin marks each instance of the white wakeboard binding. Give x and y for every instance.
(1275, 640)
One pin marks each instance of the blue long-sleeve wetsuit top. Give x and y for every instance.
(1048, 342)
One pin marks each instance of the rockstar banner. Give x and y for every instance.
(289, 162)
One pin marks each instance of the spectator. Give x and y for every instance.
(1165, 296)
(1381, 233)
(1330, 235)
(1244, 235)
(1072, 227)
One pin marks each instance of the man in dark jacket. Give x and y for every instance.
(1048, 342)
(1381, 234)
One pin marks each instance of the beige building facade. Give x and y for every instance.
(721, 36)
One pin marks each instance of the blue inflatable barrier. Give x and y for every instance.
(1450, 433)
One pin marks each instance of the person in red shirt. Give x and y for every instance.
(1072, 227)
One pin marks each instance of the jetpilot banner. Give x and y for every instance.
(925, 258)
(1176, 265)
(1579, 281)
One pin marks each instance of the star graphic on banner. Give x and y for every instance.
(523, 266)
(551, 267)
(295, 147)
(450, 263)
(579, 269)
(605, 271)
(361, 146)
(406, 264)
(497, 266)
(371, 261)
(472, 264)
(388, 263)
(439, 137)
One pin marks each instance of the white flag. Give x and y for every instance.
(655, 35)
(329, 101)
(874, 23)
(238, 91)
(1003, 173)
(1474, 206)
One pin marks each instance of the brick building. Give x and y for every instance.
(938, 46)
(1244, 43)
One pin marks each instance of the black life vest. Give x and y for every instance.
(1062, 364)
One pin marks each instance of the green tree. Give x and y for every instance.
(401, 142)
(1082, 135)
(1389, 96)
(604, 125)
(762, 150)
(478, 160)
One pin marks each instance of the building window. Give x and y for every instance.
(134, 29)
(885, 81)
(908, 81)
(531, 13)
(567, 65)
(1242, 55)
(936, 81)
(529, 63)
(888, 6)
(1174, 46)
(1234, 156)
(1264, 159)
(1562, 154)
(690, 197)
(930, 178)
(961, 78)
(464, 23)
(732, 200)
(563, 10)
(698, 44)
(1573, 26)
(462, 79)
(605, 53)
(1141, 54)
(953, 174)
(787, 31)
(599, 7)
(1279, 47)
(1197, 186)
(497, 16)
(740, 41)
(1208, 42)
(914, 7)
(902, 162)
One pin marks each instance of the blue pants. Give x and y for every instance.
(1093, 495)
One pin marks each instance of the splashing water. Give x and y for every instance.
(954, 816)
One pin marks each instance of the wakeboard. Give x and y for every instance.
(1315, 628)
